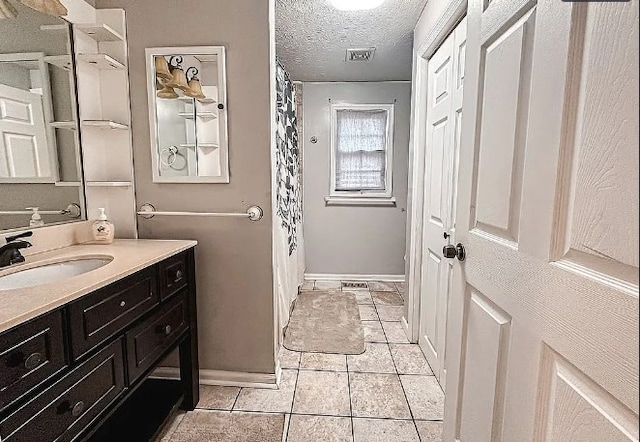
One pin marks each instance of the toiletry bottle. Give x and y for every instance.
(103, 229)
(36, 219)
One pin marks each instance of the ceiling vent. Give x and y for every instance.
(365, 54)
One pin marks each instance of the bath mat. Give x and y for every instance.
(325, 322)
(210, 426)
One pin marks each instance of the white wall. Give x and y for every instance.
(353, 239)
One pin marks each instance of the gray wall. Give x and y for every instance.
(234, 273)
(355, 239)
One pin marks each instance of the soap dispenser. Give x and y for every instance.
(36, 219)
(103, 230)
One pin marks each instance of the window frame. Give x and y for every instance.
(388, 179)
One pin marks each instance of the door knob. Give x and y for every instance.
(457, 251)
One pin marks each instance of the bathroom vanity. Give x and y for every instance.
(76, 355)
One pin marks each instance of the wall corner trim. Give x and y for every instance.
(223, 378)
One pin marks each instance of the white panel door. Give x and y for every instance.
(445, 77)
(24, 152)
(543, 323)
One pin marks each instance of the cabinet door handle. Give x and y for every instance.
(123, 303)
(178, 276)
(32, 361)
(167, 330)
(77, 409)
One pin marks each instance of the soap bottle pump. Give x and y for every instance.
(36, 219)
(103, 230)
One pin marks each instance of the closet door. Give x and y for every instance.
(445, 77)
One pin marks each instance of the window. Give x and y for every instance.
(361, 151)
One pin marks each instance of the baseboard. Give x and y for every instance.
(347, 277)
(405, 327)
(224, 378)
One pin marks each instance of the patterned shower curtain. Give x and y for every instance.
(289, 240)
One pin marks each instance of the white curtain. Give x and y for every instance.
(360, 149)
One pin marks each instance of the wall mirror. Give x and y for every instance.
(40, 161)
(187, 114)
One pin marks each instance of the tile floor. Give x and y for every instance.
(386, 394)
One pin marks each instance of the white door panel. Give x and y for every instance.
(24, 151)
(543, 319)
(444, 104)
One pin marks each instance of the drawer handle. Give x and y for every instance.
(32, 361)
(123, 303)
(166, 330)
(77, 409)
(178, 276)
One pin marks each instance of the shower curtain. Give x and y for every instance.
(288, 237)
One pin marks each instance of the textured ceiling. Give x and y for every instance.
(312, 37)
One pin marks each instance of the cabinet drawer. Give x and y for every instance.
(150, 339)
(61, 412)
(173, 275)
(107, 311)
(30, 354)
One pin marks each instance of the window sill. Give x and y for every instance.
(359, 201)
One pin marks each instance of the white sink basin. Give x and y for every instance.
(54, 272)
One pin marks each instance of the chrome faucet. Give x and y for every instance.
(10, 252)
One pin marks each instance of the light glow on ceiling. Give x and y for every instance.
(356, 5)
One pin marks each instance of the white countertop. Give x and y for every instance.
(129, 256)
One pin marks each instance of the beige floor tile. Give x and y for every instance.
(402, 288)
(287, 418)
(259, 399)
(387, 298)
(377, 395)
(170, 427)
(382, 286)
(373, 331)
(322, 392)
(323, 361)
(368, 313)
(384, 430)
(362, 296)
(375, 359)
(328, 285)
(429, 431)
(210, 426)
(390, 312)
(220, 398)
(319, 428)
(289, 359)
(409, 359)
(307, 285)
(425, 396)
(395, 332)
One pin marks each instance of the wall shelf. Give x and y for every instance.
(203, 115)
(108, 183)
(202, 145)
(104, 124)
(201, 101)
(100, 61)
(100, 32)
(61, 61)
(63, 125)
(53, 27)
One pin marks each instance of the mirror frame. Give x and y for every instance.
(150, 54)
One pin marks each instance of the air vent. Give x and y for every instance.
(354, 285)
(365, 54)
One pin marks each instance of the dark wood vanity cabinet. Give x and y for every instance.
(66, 375)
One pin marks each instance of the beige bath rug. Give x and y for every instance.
(325, 322)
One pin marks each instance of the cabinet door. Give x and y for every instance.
(62, 411)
